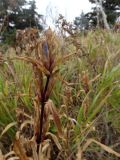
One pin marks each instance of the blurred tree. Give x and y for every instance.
(111, 8)
(81, 22)
(17, 14)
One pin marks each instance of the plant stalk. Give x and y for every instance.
(43, 101)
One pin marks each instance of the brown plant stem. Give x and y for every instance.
(43, 100)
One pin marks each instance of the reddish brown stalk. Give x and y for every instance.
(43, 101)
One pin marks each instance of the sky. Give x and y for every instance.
(68, 8)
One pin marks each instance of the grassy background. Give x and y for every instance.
(87, 93)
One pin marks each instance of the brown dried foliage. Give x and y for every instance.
(45, 62)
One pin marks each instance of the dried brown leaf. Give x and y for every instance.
(11, 156)
(50, 87)
(34, 150)
(44, 151)
(79, 153)
(55, 139)
(36, 115)
(104, 147)
(56, 116)
(36, 63)
(19, 149)
(25, 123)
(1, 156)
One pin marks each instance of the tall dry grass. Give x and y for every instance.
(63, 98)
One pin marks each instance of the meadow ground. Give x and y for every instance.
(74, 85)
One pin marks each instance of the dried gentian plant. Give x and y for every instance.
(45, 64)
